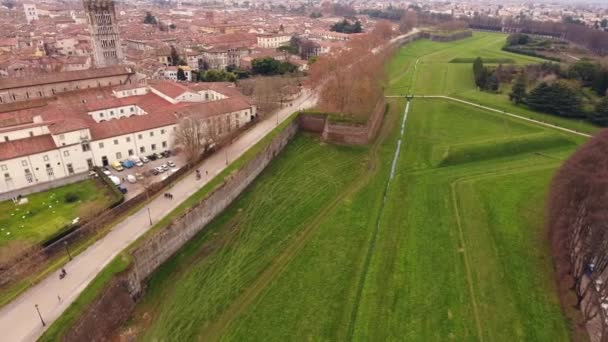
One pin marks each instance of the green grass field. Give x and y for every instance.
(47, 212)
(427, 68)
(323, 247)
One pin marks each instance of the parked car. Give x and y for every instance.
(131, 179)
(93, 174)
(144, 159)
(165, 167)
(155, 171)
(122, 189)
(166, 153)
(127, 163)
(117, 166)
(172, 164)
(139, 176)
(152, 156)
(107, 172)
(160, 169)
(115, 180)
(136, 160)
(158, 156)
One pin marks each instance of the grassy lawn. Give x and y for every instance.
(47, 212)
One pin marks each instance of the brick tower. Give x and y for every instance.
(104, 32)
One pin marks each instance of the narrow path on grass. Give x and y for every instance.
(249, 296)
(372, 244)
(497, 111)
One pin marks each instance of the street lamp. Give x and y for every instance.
(149, 215)
(39, 315)
(67, 249)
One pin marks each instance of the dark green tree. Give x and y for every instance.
(518, 91)
(492, 82)
(150, 19)
(181, 74)
(600, 115)
(558, 98)
(175, 59)
(479, 73)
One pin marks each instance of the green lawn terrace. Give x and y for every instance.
(437, 68)
(46, 213)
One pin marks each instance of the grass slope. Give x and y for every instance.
(198, 285)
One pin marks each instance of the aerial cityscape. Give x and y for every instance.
(303, 170)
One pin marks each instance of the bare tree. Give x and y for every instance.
(409, 20)
(195, 135)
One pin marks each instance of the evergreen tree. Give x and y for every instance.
(492, 82)
(518, 92)
(600, 116)
(558, 98)
(150, 19)
(479, 73)
(181, 75)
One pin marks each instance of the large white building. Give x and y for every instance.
(43, 141)
(273, 41)
(31, 13)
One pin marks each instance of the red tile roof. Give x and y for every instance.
(171, 89)
(63, 77)
(28, 146)
(136, 123)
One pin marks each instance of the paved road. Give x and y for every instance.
(19, 320)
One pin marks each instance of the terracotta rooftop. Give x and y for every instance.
(63, 77)
(171, 89)
(23, 147)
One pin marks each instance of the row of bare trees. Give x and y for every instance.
(351, 80)
(577, 219)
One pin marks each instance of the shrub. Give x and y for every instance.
(71, 197)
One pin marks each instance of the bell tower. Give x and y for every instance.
(103, 27)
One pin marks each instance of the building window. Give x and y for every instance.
(85, 147)
(164, 144)
(111, 112)
(3, 167)
(49, 171)
(118, 155)
(28, 176)
(31, 134)
(61, 137)
(70, 169)
(140, 136)
(45, 158)
(153, 147)
(132, 109)
(122, 111)
(131, 152)
(128, 139)
(115, 141)
(66, 153)
(5, 138)
(100, 145)
(101, 115)
(24, 163)
(142, 149)
(152, 133)
(162, 131)
(7, 176)
(90, 163)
